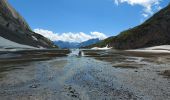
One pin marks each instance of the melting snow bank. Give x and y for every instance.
(155, 49)
(7, 45)
(104, 48)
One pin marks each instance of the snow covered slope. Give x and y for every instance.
(7, 44)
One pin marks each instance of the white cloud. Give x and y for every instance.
(145, 15)
(116, 2)
(70, 37)
(158, 7)
(147, 4)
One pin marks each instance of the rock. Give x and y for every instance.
(34, 86)
(14, 28)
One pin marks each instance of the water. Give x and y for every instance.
(83, 78)
(76, 53)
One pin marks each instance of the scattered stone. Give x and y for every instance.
(166, 73)
(34, 86)
(73, 95)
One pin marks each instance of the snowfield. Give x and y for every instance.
(104, 48)
(154, 49)
(10, 45)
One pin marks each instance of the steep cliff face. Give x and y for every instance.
(13, 27)
(155, 31)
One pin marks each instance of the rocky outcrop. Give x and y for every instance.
(13, 27)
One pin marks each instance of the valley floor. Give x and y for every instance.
(98, 75)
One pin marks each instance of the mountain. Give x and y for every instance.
(63, 44)
(14, 28)
(89, 42)
(154, 31)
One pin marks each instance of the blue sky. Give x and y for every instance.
(87, 16)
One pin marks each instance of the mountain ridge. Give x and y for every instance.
(64, 45)
(154, 31)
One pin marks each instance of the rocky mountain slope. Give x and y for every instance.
(14, 28)
(89, 42)
(154, 31)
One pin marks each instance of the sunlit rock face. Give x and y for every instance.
(14, 28)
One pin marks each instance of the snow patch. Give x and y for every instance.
(104, 48)
(34, 38)
(7, 44)
(162, 47)
(154, 49)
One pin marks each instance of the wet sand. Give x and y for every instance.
(148, 73)
(98, 75)
(31, 55)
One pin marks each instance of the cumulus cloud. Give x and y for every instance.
(70, 37)
(147, 4)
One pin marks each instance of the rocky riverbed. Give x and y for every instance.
(97, 75)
